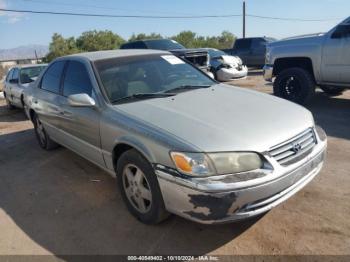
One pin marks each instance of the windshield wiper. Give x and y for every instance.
(186, 87)
(142, 96)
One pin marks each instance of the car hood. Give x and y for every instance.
(303, 39)
(223, 118)
(189, 51)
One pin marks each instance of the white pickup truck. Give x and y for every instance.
(300, 64)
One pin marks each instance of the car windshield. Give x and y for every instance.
(216, 53)
(30, 74)
(148, 74)
(270, 39)
(163, 44)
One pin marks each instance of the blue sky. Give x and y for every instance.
(22, 29)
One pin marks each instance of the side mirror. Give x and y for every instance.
(13, 81)
(81, 100)
(341, 31)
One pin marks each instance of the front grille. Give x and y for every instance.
(294, 149)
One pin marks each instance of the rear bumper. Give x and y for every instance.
(203, 202)
(268, 72)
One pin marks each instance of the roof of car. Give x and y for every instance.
(100, 55)
(28, 65)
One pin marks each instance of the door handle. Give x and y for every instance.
(35, 101)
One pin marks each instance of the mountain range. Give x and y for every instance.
(23, 52)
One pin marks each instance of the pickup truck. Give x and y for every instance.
(250, 50)
(300, 64)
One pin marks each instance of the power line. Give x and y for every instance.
(100, 7)
(293, 19)
(117, 16)
(165, 17)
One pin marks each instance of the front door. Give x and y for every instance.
(13, 86)
(81, 125)
(336, 58)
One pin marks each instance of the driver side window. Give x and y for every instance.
(76, 80)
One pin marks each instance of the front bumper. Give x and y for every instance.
(212, 200)
(227, 74)
(268, 72)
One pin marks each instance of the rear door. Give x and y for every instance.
(12, 86)
(81, 125)
(257, 53)
(46, 99)
(17, 89)
(242, 49)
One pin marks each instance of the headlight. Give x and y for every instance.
(228, 163)
(195, 164)
(200, 164)
(239, 60)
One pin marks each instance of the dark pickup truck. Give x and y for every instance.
(198, 57)
(251, 50)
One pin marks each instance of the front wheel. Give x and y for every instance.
(294, 84)
(139, 188)
(8, 103)
(332, 90)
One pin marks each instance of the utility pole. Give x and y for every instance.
(243, 18)
(36, 57)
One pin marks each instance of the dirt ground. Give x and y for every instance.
(58, 203)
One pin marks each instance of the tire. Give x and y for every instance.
(294, 84)
(333, 90)
(43, 138)
(8, 103)
(147, 207)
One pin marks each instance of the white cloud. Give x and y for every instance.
(11, 17)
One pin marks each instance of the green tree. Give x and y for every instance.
(99, 40)
(143, 36)
(226, 40)
(61, 46)
(186, 38)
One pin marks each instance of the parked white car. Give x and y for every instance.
(17, 79)
(226, 67)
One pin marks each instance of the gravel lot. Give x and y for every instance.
(58, 203)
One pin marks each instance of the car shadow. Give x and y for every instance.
(69, 206)
(11, 115)
(332, 114)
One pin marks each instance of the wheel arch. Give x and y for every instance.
(281, 64)
(126, 144)
(31, 114)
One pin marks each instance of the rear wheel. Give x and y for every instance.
(43, 138)
(294, 84)
(139, 188)
(332, 90)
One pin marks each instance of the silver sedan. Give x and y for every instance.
(177, 141)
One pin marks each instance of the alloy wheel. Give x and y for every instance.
(40, 131)
(137, 188)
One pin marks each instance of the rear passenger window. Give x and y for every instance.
(258, 43)
(243, 44)
(76, 80)
(52, 78)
